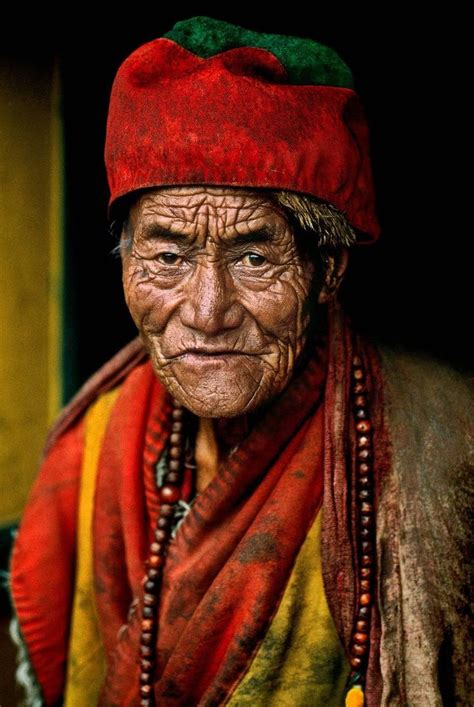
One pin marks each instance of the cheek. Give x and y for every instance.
(280, 308)
(149, 306)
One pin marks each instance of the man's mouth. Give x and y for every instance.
(209, 356)
(213, 352)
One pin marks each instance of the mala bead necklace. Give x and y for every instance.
(170, 495)
(365, 525)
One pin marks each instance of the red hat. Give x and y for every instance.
(214, 103)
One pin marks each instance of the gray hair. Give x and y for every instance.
(330, 225)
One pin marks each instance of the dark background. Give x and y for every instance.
(412, 288)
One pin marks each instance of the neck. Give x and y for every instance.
(215, 437)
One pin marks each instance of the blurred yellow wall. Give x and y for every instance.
(31, 226)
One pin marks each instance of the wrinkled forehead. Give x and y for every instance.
(209, 209)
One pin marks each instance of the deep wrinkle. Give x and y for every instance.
(213, 270)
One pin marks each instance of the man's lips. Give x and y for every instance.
(203, 354)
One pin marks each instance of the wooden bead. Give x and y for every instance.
(359, 388)
(145, 690)
(364, 481)
(367, 546)
(174, 465)
(166, 511)
(146, 651)
(365, 585)
(356, 361)
(152, 573)
(146, 678)
(176, 438)
(170, 494)
(147, 625)
(177, 414)
(363, 455)
(149, 599)
(363, 441)
(160, 535)
(164, 522)
(364, 494)
(145, 702)
(365, 599)
(365, 572)
(367, 560)
(146, 665)
(358, 374)
(360, 401)
(364, 426)
(361, 413)
(355, 662)
(366, 521)
(364, 468)
(173, 477)
(365, 533)
(175, 452)
(177, 426)
(362, 625)
(157, 548)
(366, 507)
(151, 587)
(357, 649)
(156, 560)
(361, 637)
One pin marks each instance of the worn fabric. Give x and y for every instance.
(425, 534)
(86, 657)
(188, 116)
(300, 658)
(231, 559)
(420, 635)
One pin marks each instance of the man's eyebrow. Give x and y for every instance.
(260, 235)
(154, 230)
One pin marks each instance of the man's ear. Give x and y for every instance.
(335, 270)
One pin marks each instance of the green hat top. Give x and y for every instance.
(305, 60)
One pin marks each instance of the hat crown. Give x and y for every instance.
(212, 103)
(306, 61)
(142, 70)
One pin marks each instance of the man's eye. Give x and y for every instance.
(168, 258)
(255, 259)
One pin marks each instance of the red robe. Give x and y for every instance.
(233, 555)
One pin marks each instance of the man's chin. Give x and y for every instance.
(225, 402)
(217, 393)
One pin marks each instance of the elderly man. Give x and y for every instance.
(250, 503)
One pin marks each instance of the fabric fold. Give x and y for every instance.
(231, 559)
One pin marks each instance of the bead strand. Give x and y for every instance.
(359, 645)
(169, 495)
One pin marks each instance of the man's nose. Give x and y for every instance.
(211, 304)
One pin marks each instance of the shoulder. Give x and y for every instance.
(415, 371)
(424, 525)
(428, 394)
(428, 413)
(107, 377)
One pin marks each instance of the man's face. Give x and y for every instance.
(218, 290)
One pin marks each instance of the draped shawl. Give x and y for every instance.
(231, 561)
